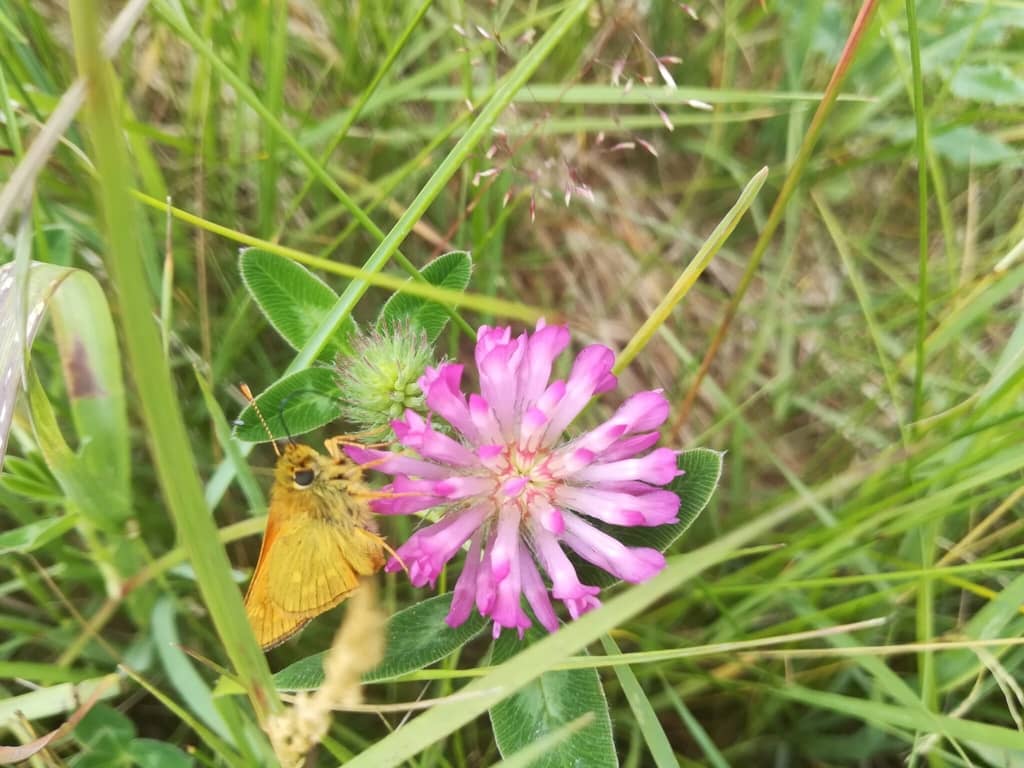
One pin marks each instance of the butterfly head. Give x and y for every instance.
(301, 469)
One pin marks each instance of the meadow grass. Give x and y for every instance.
(846, 326)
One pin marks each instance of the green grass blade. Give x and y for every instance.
(169, 444)
(921, 147)
(715, 758)
(716, 240)
(643, 712)
(789, 186)
(891, 716)
(275, 61)
(357, 109)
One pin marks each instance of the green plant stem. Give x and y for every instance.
(925, 595)
(168, 441)
(921, 149)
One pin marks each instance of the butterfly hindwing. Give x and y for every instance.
(271, 625)
(305, 569)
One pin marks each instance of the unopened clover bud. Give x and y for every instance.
(379, 380)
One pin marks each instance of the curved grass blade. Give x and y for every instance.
(97, 474)
(643, 711)
(170, 447)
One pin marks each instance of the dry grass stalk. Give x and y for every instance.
(357, 648)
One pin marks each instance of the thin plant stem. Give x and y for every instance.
(789, 185)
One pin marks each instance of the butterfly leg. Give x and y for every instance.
(334, 444)
(367, 493)
(383, 544)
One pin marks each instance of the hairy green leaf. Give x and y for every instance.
(536, 750)
(416, 638)
(293, 405)
(450, 270)
(549, 703)
(292, 298)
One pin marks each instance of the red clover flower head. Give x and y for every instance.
(509, 485)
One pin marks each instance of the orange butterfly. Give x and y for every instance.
(320, 539)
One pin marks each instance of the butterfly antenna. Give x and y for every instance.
(352, 438)
(284, 424)
(247, 393)
(287, 398)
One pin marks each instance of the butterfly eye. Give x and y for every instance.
(303, 477)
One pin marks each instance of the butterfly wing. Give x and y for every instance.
(305, 568)
(270, 624)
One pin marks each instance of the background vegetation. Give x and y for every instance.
(852, 596)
